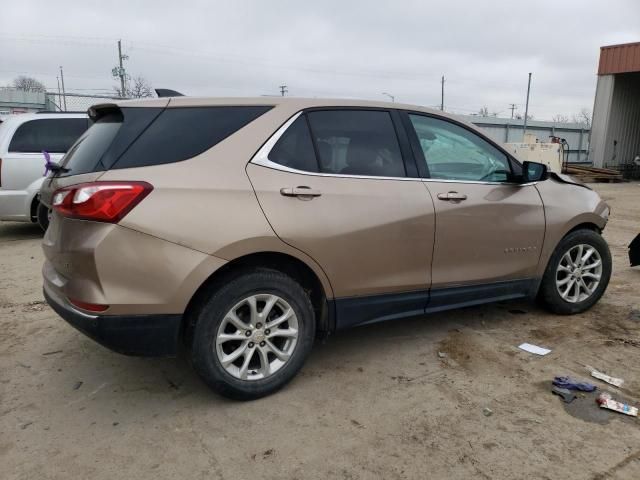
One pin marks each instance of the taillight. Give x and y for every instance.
(99, 201)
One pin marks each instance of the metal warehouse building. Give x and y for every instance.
(615, 131)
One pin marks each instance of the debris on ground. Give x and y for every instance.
(528, 347)
(605, 401)
(616, 382)
(356, 423)
(567, 395)
(573, 384)
(487, 412)
(77, 385)
(442, 354)
(53, 352)
(36, 306)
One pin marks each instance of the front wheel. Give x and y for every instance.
(253, 334)
(577, 274)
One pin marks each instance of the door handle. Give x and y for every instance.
(300, 192)
(452, 196)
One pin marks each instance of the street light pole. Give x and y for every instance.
(64, 93)
(392, 97)
(526, 110)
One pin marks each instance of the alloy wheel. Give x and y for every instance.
(257, 337)
(578, 273)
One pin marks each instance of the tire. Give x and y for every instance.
(213, 320)
(42, 213)
(557, 272)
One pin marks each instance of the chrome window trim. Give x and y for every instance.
(262, 158)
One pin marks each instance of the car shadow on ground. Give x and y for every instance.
(162, 384)
(14, 231)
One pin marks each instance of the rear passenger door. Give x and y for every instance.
(24, 161)
(338, 185)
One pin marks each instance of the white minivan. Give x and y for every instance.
(23, 139)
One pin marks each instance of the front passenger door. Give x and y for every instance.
(489, 229)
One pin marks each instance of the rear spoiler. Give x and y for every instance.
(97, 111)
(165, 92)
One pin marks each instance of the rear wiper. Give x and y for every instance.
(50, 166)
(55, 168)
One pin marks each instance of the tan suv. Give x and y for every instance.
(241, 229)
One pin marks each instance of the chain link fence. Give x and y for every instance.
(75, 102)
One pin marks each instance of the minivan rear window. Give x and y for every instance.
(137, 137)
(55, 135)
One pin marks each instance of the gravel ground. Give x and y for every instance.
(373, 402)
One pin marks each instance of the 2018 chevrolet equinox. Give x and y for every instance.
(238, 230)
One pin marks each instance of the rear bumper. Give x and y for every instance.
(140, 335)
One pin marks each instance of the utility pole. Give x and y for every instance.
(442, 95)
(526, 110)
(512, 107)
(119, 71)
(59, 94)
(283, 90)
(64, 93)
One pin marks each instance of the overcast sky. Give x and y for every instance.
(327, 48)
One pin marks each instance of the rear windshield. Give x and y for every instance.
(55, 135)
(137, 137)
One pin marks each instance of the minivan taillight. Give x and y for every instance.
(99, 201)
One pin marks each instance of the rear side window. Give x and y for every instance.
(356, 142)
(55, 135)
(181, 133)
(294, 149)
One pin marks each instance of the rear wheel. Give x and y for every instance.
(578, 273)
(253, 334)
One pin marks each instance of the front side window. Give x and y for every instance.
(356, 142)
(452, 152)
(55, 135)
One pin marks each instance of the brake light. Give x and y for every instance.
(99, 201)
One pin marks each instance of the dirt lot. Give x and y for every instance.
(374, 402)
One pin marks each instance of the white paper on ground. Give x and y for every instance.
(528, 347)
(606, 378)
(620, 407)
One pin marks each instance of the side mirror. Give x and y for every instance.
(534, 172)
